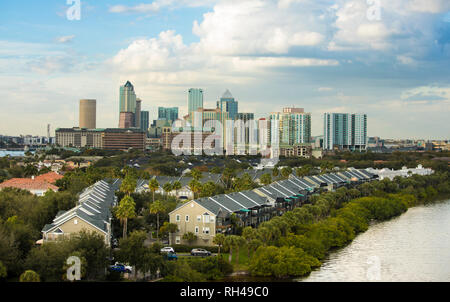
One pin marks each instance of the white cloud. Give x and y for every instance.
(65, 39)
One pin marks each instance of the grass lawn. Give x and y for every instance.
(243, 259)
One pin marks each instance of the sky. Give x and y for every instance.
(388, 59)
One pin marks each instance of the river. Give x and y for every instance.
(412, 247)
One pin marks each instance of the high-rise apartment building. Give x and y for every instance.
(228, 104)
(345, 131)
(88, 114)
(168, 114)
(294, 126)
(195, 99)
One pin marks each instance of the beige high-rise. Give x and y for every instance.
(88, 114)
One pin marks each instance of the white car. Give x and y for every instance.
(167, 249)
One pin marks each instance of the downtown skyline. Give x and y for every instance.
(324, 56)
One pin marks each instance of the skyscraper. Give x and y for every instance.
(195, 99)
(137, 115)
(294, 126)
(228, 104)
(127, 98)
(168, 114)
(127, 105)
(345, 131)
(88, 114)
(145, 122)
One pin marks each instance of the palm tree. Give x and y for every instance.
(227, 177)
(157, 207)
(229, 244)
(176, 186)
(275, 172)
(153, 185)
(125, 210)
(189, 237)
(169, 228)
(219, 239)
(239, 241)
(128, 185)
(195, 186)
(248, 233)
(196, 174)
(167, 187)
(266, 179)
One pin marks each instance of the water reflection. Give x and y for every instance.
(412, 247)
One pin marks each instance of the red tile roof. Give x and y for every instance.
(50, 177)
(28, 184)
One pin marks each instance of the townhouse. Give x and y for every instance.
(92, 213)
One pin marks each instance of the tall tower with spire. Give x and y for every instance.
(127, 105)
(227, 103)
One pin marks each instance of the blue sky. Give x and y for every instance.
(389, 59)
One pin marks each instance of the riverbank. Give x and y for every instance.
(359, 268)
(410, 248)
(311, 236)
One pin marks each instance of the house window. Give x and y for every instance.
(206, 231)
(177, 239)
(196, 229)
(211, 219)
(177, 217)
(75, 221)
(206, 218)
(187, 218)
(199, 218)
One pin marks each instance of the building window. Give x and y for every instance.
(177, 239)
(206, 218)
(199, 218)
(187, 218)
(75, 221)
(206, 231)
(196, 229)
(211, 219)
(177, 217)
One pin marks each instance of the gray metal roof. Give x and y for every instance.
(94, 206)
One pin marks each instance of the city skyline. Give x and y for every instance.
(390, 68)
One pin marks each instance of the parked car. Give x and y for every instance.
(167, 249)
(200, 252)
(122, 268)
(171, 256)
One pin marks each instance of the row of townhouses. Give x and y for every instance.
(205, 217)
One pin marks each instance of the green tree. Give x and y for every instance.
(196, 174)
(195, 187)
(29, 276)
(219, 240)
(128, 185)
(285, 172)
(125, 210)
(169, 228)
(132, 250)
(266, 179)
(176, 186)
(153, 185)
(157, 208)
(167, 187)
(189, 237)
(3, 271)
(249, 234)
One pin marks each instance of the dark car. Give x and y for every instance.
(121, 268)
(171, 256)
(200, 252)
